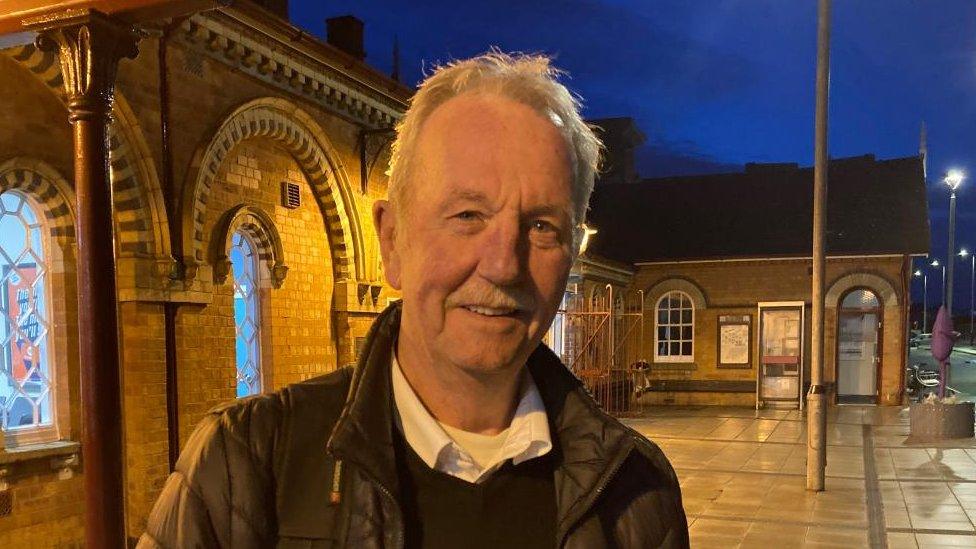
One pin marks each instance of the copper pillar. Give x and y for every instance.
(90, 46)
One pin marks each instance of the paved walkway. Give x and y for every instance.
(743, 481)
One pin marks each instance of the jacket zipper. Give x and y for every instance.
(596, 495)
(389, 496)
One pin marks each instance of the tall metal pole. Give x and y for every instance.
(90, 46)
(972, 286)
(951, 256)
(816, 399)
(925, 303)
(943, 286)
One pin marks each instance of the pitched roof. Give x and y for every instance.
(873, 207)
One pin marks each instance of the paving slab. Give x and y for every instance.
(742, 474)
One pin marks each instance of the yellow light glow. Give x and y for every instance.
(587, 232)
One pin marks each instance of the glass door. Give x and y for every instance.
(780, 379)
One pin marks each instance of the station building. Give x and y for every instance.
(722, 264)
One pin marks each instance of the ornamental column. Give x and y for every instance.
(90, 45)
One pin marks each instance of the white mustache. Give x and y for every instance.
(491, 297)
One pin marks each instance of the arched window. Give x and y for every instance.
(860, 299)
(26, 376)
(247, 320)
(674, 336)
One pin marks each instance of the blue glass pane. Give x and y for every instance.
(240, 310)
(37, 241)
(237, 261)
(13, 238)
(21, 412)
(240, 347)
(10, 202)
(44, 409)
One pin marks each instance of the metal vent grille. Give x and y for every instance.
(5, 503)
(291, 195)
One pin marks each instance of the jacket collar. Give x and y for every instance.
(363, 435)
(588, 445)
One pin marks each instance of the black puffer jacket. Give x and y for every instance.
(262, 472)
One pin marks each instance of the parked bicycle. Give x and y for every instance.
(920, 382)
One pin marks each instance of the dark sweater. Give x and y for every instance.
(514, 507)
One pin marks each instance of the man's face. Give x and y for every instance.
(484, 248)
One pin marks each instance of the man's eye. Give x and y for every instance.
(544, 226)
(467, 215)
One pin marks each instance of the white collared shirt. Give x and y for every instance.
(527, 437)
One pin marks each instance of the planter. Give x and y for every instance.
(938, 421)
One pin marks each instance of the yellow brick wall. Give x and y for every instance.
(144, 405)
(47, 512)
(297, 317)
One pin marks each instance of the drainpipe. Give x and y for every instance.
(176, 244)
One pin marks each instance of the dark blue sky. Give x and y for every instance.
(714, 84)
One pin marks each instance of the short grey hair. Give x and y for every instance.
(528, 79)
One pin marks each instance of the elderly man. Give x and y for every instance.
(457, 428)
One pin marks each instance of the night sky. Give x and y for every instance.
(714, 84)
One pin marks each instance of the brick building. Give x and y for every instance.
(245, 251)
(724, 268)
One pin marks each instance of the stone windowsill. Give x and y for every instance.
(673, 366)
(30, 452)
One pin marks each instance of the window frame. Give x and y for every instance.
(682, 358)
(257, 353)
(51, 432)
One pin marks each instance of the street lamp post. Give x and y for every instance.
(925, 299)
(972, 285)
(935, 263)
(952, 179)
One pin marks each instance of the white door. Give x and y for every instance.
(857, 355)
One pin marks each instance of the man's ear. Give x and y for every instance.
(384, 221)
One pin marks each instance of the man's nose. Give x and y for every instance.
(503, 254)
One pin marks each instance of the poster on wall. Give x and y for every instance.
(17, 302)
(734, 341)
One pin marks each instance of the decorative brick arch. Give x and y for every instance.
(141, 224)
(300, 135)
(656, 290)
(45, 186)
(257, 224)
(877, 284)
(140, 211)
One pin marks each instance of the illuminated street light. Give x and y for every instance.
(952, 179)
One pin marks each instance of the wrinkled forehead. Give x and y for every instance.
(491, 138)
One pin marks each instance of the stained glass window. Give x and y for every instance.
(26, 379)
(247, 320)
(674, 338)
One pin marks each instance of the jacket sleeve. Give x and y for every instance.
(220, 494)
(670, 506)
